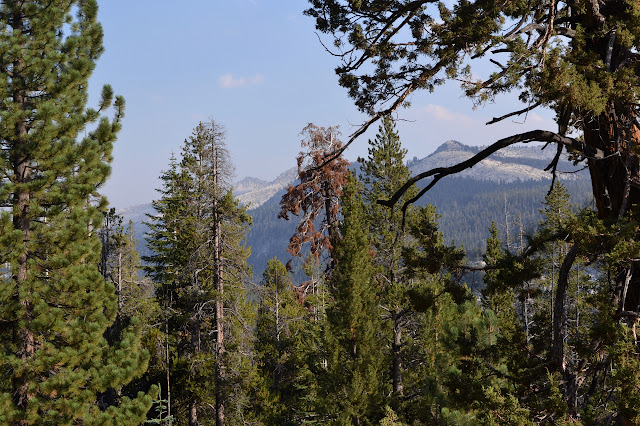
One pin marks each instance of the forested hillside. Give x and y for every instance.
(341, 294)
(466, 205)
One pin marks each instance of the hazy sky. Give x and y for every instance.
(256, 67)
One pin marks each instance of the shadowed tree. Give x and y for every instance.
(578, 59)
(353, 389)
(280, 345)
(383, 172)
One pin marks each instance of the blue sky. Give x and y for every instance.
(256, 67)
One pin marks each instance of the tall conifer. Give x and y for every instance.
(355, 356)
(383, 172)
(54, 304)
(279, 345)
(199, 261)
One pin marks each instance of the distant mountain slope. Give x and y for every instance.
(508, 165)
(249, 184)
(255, 192)
(507, 188)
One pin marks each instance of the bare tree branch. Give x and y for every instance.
(511, 114)
(399, 100)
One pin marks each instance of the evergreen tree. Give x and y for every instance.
(163, 266)
(354, 354)
(554, 355)
(199, 261)
(121, 265)
(280, 345)
(55, 305)
(441, 365)
(577, 58)
(383, 172)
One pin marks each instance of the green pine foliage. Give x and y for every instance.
(555, 336)
(563, 347)
(383, 172)
(55, 304)
(280, 346)
(199, 265)
(122, 266)
(354, 363)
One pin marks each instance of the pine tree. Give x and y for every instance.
(383, 172)
(199, 261)
(354, 354)
(55, 305)
(576, 58)
(121, 265)
(280, 345)
(441, 366)
(573, 339)
(168, 253)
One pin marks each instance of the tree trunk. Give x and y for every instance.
(193, 414)
(615, 179)
(120, 300)
(167, 364)
(220, 372)
(398, 388)
(23, 335)
(560, 310)
(615, 183)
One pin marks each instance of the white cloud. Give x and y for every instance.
(441, 113)
(536, 118)
(229, 81)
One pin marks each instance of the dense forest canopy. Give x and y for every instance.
(386, 331)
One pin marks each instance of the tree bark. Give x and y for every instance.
(167, 364)
(193, 414)
(613, 133)
(615, 179)
(220, 373)
(398, 387)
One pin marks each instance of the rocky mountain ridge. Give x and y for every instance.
(255, 192)
(511, 164)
